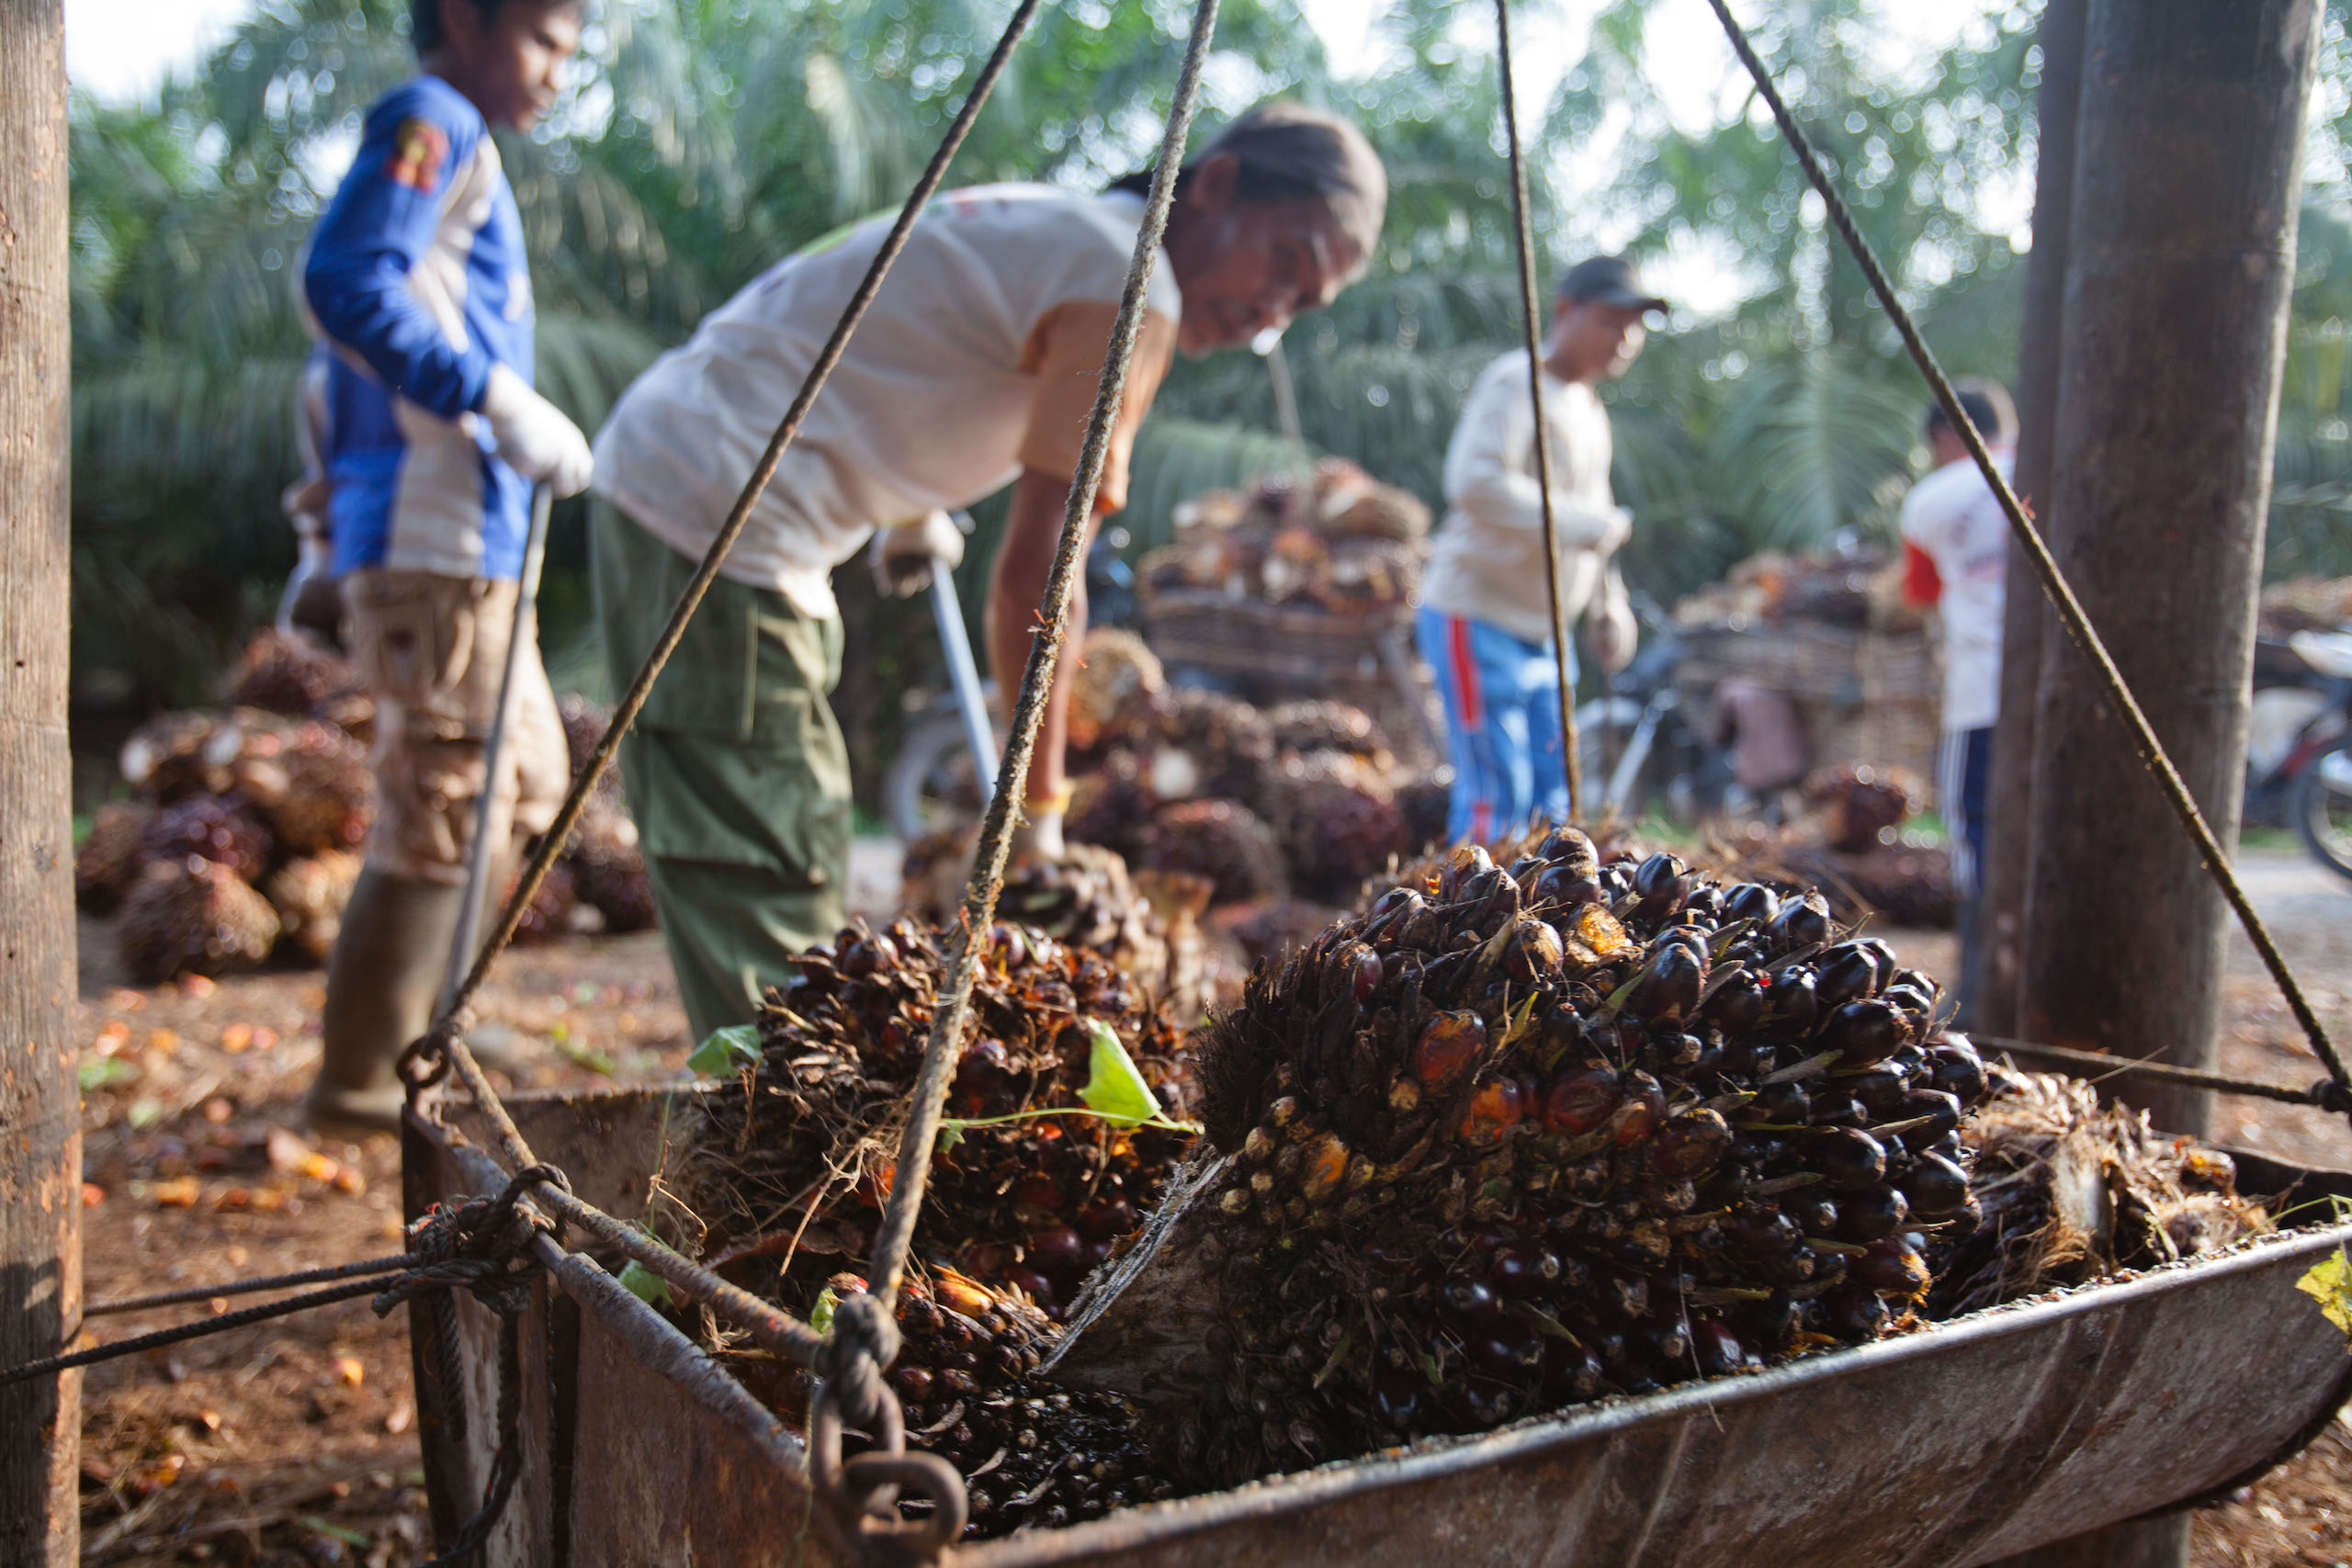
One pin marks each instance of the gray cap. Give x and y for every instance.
(1607, 280)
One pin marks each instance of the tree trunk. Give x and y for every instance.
(1990, 993)
(2187, 172)
(40, 1157)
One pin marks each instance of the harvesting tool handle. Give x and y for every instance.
(979, 733)
(479, 854)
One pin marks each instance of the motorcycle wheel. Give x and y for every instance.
(2319, 805)
(930, 783)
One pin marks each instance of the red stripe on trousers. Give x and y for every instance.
(1473, 705)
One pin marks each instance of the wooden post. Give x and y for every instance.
(2187, 172)
(2187, 177)
(2000, 916)
(41, 1156)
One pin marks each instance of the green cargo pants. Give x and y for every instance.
(736, 770)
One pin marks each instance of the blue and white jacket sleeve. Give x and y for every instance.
(382, 222)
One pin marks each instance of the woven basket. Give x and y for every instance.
(1865, 696)
(1270, 653)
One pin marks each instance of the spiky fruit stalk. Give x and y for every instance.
(219, 827)
(193, 916)
(1523, 1134)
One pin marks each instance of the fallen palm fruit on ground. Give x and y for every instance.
(1524, 1135)
(277, 793)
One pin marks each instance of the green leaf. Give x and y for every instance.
(951, 1134)
(144, 1113)
(1115, 1089)
(106, 1072)
(820, 1317)
(2329, 1282)
(645, 1284)
(579, 1054)
(342, 1533)
(728, 1050)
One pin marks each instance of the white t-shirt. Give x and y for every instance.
(1486, 562)
(978, 358)
(1951, 518)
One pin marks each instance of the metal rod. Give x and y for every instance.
(971, 703)
(487, 829)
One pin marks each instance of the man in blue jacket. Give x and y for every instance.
(417, 284)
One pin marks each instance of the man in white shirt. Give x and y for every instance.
(974, 367)
(1956, 560)
(1486, 622)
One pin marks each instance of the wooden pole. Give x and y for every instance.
(2188, 174)
(41, 1156)
(1991, 994)
(2182, 250)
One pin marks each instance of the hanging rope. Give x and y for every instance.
(1571, 758)
(2053, 582)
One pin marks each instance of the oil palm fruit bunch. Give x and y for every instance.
(1110, 806)
(1370, 510)
(548, 914)
(1267, 931)
(309, 893)
(1426, 803)
(287, 672)
(219, 827)
(166, 759)
(1220, 839)
(1229, 743)
(1901, 884)
(608, 869)
(312, 783)
(1119, 684)
(108, 860)
(1858, 801)
(1320, 725)
(964, 1378)
(1033, 1201)
(193, 916)
(1339, 826)
(1525, 1135)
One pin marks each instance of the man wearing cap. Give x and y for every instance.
(1486, 622)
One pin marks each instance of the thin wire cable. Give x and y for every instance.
(184, 1331)
(633, 701)
(368, 1266)
(2053, 582)
(896, 1232)
(1571, 758)
(2326, 1096)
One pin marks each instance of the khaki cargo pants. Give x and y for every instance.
(432, 651)
(736, 772)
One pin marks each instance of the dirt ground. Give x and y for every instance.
(294, 1442)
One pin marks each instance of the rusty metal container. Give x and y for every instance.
(1959, 1445)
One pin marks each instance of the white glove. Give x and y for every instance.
(533, 435)
(901, 556)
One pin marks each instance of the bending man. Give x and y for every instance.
(976, 367)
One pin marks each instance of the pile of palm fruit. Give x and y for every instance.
(1525, 1135)
(243, 835)
(1341, 542)
(1854, 846)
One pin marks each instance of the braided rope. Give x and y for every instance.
(1571, 758)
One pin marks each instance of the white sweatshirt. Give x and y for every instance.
(1487, 562)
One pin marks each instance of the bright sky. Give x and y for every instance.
(117, 49)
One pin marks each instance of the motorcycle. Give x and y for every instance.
(930, 783)
(2299, 744)
(1636, 743)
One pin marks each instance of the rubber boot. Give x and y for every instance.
(383, 982)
